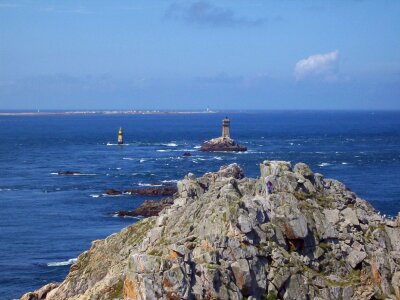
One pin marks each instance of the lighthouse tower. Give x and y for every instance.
(120, 137)
(226, 123)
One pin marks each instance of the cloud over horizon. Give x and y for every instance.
(323, 66)
(206, 13)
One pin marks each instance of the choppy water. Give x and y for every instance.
(46, 220)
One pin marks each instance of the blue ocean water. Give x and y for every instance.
(46, 219)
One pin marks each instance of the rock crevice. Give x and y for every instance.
(225, 237)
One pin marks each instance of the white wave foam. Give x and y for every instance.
(218, 157)
(345, 163)
(324, 164)
(142, 160)
(128, 158)
(94, 195)
(62, 263)
(74, 174)
(5, 190)
(170, 181)
(130, 217)
(112, 144)
(197, 147)
(83, 174)
(107, 195)
(163, 150)
(148, 184)
(170, 145)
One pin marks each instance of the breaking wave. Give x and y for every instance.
(324, 164)
(62, 263)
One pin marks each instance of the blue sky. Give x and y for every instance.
(193, 54)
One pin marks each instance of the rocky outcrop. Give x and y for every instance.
(40, 293)
(113, 192)
(224, 237)
(222, 144)
(148, 208)
(153, 191)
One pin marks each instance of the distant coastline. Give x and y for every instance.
(102, 112)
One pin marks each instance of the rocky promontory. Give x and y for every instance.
(224, 237)
(222, 144)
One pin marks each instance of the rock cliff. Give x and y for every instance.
(225, 238)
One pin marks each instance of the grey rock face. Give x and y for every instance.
(224, 237)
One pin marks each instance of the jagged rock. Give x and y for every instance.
(394, 236)
(277, 168)
(113, 192)
(355, 257)
(303, 169)
(332, 216)
(350, 216)
(225, 238)
(153, 191)
(396, 284)
(222, 144)
(148, 208)
(41, 293)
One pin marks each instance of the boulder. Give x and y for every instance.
(350, 216)
(303, 169)
(355, 257)
(277, 168)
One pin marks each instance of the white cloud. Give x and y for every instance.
(324, 66)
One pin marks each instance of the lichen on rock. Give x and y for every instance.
(224, 237)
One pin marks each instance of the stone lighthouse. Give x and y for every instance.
(120, 137)
(224, 142)
(226, 123)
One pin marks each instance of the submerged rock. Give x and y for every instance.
(69, 173)
(224, 237)
(113, 192)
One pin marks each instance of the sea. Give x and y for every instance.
(47, 220)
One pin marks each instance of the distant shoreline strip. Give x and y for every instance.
(64, 113)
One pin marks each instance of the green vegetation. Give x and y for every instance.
(272, 295)
(117, 291)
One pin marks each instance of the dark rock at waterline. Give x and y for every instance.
(222, 144)
(113, 192)
(153, 191)
(187, 154)
(68, 173)
(148, 208)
